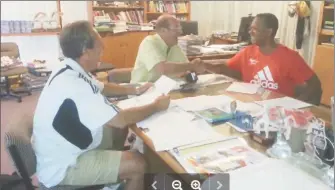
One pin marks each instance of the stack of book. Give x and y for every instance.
(329, 25)
(187, 43)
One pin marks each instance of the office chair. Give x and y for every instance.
(20, 150)
(189, 27)
(243, 32)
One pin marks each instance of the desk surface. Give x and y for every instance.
(228, 131)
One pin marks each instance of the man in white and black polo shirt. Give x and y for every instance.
(76, 128)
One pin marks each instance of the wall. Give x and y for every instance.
(40, 47)
(226, 15)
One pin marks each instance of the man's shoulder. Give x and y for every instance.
(282, 49)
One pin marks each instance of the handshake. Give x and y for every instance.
(198, 66)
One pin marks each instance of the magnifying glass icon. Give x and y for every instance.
(176, 184)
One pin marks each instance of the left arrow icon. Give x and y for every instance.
(153, 185)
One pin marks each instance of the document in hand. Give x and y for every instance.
(286, 102)
(246, 88)
(162, 86)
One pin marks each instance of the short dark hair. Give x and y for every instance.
(270, 21)
(75, 38)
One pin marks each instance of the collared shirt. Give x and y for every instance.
(68, 121)
(152, 51)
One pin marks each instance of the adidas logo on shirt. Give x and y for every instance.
(265, 79)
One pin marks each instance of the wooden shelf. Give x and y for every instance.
(329, 7)
(327, 32)
(96, 8)
(159, 13)
(32, 34)
(327, 45)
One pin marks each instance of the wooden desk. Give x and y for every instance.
(169, 160)
(212, 56)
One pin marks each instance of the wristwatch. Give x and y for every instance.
(137, 90)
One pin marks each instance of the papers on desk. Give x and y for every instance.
(174, 128)
(246, 88)
(286, 102)
(229, 154)
(275, 175)
(162, 86)
(211, 79)
(202, 102)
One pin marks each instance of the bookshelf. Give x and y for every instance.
(324, 52)
(153, 9)
(42, 32)
(131, 12)
(141, 11)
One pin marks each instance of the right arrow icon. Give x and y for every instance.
(220, 185)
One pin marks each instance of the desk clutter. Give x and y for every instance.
(301, 142)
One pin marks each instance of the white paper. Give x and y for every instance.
(211, 79)
(202, 102)
(173, 134)
(173, 114)
(162, 86)
(241, 87)
(286, 102)
(248, 107)
(275, 175)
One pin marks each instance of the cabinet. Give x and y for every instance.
(121, 49)
(324, 68)
(323, 64)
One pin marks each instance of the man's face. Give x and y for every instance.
(93, 55)
(258, 33)
(174, 31)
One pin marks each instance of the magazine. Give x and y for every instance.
(220, 157)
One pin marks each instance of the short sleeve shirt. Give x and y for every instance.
(68, 120)
(281, 71)
(152, 51)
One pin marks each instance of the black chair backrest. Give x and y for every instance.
(243, 32)
(189, 27)
(21, 169)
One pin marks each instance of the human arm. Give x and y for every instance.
(155, 59)
(112, 89)
(310, 91)
(308, 85)
(221, 66)
(136, 114)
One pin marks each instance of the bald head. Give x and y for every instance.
(166, 21)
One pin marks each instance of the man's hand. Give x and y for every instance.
(140, 90)
(162, 102)
(199, 65)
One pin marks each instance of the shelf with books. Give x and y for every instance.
(100, 8)
(153, 9)
(116, 11)
(328, 32)
(31, 34)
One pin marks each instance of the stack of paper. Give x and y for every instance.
(285, 102)
(202, 102)
(241, 87)
(186, 43)
(211, 79)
